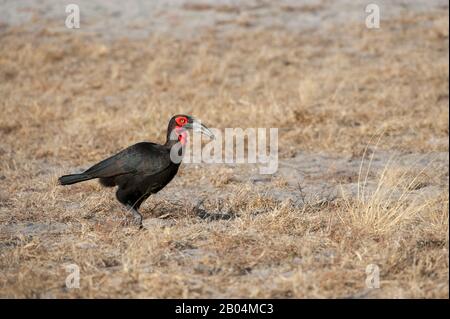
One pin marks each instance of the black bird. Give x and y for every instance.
(143, 168)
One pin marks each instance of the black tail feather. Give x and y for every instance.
(73, 178)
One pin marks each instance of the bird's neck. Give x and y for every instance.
(176, 135)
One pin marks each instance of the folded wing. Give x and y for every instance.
(142, 158)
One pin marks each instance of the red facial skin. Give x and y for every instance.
(182, 134)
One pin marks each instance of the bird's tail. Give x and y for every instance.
(73, 178)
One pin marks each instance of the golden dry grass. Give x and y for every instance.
(67, 101)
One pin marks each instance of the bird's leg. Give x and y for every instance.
(136, 215)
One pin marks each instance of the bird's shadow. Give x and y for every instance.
(160, 210)
(220, 214)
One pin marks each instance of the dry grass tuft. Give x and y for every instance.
(392, 204)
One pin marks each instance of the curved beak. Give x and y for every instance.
(198, 127)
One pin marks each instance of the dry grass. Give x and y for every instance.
(67, 101)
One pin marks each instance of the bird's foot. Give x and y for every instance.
(138, 222)
(137, 217)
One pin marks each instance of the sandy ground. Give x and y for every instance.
(114, 19)
(212, 245)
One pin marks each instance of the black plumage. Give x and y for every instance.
(143, 168)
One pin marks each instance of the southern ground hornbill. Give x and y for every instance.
(143, 168)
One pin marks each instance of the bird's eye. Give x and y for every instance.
(181, 121)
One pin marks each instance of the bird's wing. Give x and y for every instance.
(142, 158)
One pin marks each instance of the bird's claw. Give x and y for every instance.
(137, 217)
(138, 222)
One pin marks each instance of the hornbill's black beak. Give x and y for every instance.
(198, 127)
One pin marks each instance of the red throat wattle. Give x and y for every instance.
(182, 135)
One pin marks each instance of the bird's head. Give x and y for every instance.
(179, 124)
